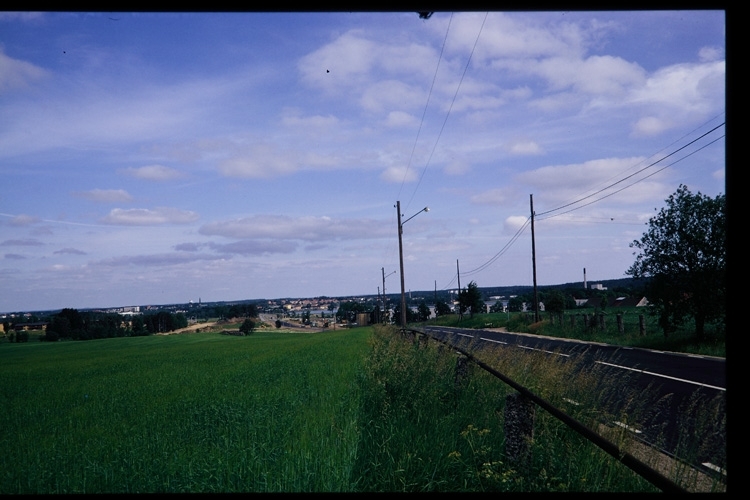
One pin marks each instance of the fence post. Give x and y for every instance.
(573, 320)
(519, 428)
(601, 321)
(641, 325)
(585, 321)
(462, 370)
(620, 325)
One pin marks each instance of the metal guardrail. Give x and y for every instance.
(649, 474)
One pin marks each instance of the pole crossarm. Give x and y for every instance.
(401, 256)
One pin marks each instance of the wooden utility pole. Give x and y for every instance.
(401, 263)
(458, 274)
(533, 261)
(382, 269)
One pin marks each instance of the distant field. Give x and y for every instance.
(181, 413)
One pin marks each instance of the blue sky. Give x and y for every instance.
(153, 158)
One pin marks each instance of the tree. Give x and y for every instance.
(471, 300)
(515, 304)
(247, 326)
(683, 256)
(424, 311)
(554, 301)
(442, 309)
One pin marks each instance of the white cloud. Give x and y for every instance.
(261, 161)
(282, 227)
(106, 195)
(683, 92)
(524, 147)
(706, 54)
(499, 196)
(15, 73)
(400, 119)
(146, 217)
(23, 219)
(514, 223)
(154, 173)
(399, 174)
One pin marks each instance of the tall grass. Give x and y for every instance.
(348, 411)
(187, 413)
(422, 430)
(682, 340)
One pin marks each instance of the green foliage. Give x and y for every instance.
(470, 300)
(247, 326)
(423, 311)
(348, 310)
(683, 253)
(442, 308)
(198, 413)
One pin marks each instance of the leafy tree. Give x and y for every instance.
(423, 311)
(442, 309)
(471, 300)
(554, 301)
(683, 255)
(247, 326)
(515, 304)
(497, 307)
(278, 323)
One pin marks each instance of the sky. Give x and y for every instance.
(159, 158)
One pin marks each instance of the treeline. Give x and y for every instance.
(74, 325)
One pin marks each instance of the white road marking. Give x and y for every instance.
(625, 426)
(713, 467)
(663, 376)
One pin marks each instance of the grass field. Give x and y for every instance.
(183, 413)
(683, 340)
(341, 411)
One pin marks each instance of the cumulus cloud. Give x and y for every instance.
(499, 196)
(400, 119)
(72, 251)
(255, 247)
(23, 220)
(261, 161)
(15, 73)
(155, 260)
(514, 223)
(154, 173)
(22, 243)
(147, 217)
(283, 227)
(399, 174)
(524, 147)
(105, 195)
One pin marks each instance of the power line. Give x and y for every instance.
(424, 112)
(458, 87)
(635, 173)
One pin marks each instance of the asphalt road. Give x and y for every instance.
(670, 381)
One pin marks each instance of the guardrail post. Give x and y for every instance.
(518, 428)
(462, 370)
(641, 325)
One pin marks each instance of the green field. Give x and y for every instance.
(181, 413)
(355, 410)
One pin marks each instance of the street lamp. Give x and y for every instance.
(382, 269)
(401, 257)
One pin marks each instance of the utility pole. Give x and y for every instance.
(533, 261)
(401, 262)
(458, 274)
(382, 269)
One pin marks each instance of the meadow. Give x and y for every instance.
(365, 409)
(181, 413)
(682, 340)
